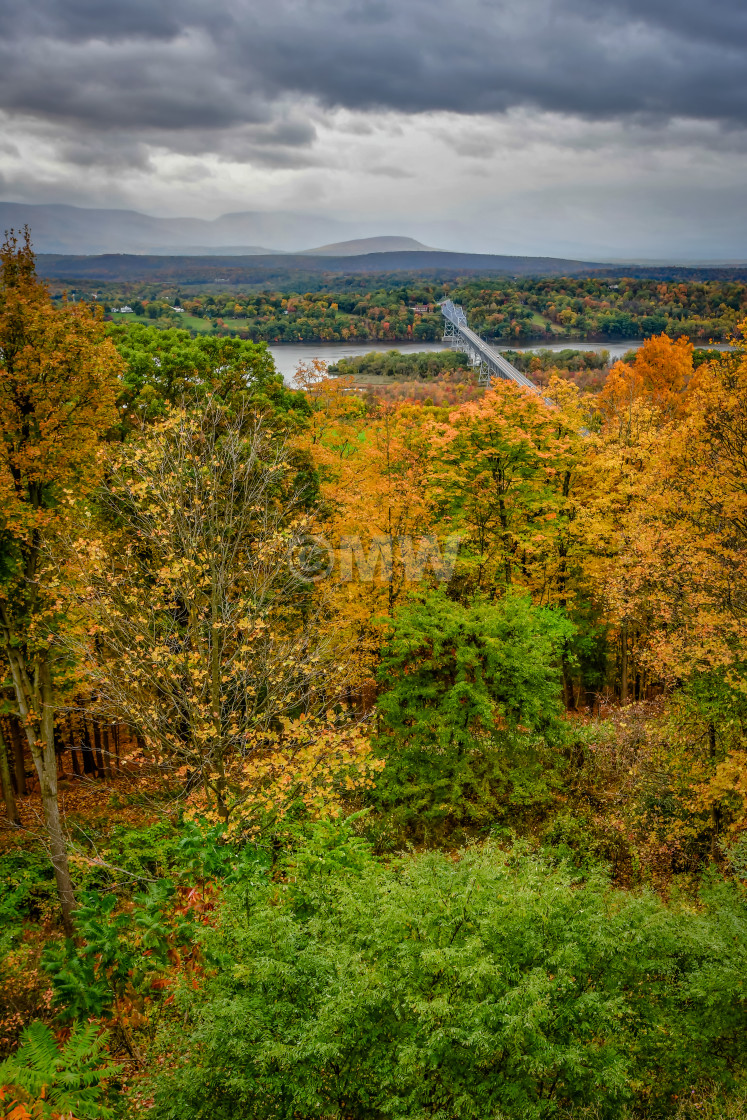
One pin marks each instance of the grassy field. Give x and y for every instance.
(187, 322)
(195, 323)
(541, 321)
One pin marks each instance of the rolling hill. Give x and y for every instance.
(292, 269)
(364, 245)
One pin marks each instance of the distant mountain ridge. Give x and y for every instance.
(82, 231)
(216, 250)
(298, 272)
(287, 268)
(363, 245)
(63, 230)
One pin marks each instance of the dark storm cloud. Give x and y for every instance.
(717, 22)
(81, 20)
(193, 64)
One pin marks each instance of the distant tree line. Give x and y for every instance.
(500, 309)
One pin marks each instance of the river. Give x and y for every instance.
(289, 355)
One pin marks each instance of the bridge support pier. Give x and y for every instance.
(454, 339)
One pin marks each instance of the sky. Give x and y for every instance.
(613, 129)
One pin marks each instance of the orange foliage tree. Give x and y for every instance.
(375, 514)
(504, 472)
(637, 404)
(58, 378)
(686, 535)
(660, 374)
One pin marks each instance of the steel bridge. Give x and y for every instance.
(461, 337)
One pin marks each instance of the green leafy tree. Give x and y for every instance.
(165, 367)
(457, 679)
(458, 674)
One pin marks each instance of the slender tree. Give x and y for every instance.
(58, 378)
(199, 633)
(6, 780)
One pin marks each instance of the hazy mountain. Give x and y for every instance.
(297, 271)
(680, 262)
(217, 250)
(58, 228)
(363, 245)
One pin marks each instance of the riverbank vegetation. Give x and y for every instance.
(588, 368)
(368, 753)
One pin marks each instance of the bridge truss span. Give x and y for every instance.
(491, 364)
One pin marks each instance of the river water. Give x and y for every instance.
(289, 355)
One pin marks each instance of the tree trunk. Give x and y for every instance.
(36, 706)
(19, 766)
(716, 806)
(71, 741)
(97, 748)
(624, 663)
(568, 690)
(89, 763)
(7, 783)
(59, 750)
(106, 749)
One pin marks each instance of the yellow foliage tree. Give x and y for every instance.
(200, 633)
(58, 380)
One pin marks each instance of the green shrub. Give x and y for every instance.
(122, 949)
(484, 985)
(113, 951)
(134, 854)
(28, 892)
(67, 1081)
(571, 836)
(185, 853)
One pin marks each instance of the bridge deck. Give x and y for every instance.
(494, 364)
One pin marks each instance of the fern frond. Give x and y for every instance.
(67, 1081)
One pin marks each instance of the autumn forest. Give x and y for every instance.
(349, 309)
(373, 747)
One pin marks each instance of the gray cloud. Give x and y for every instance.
(183, 65)
(88, 150)
(388, 171)
(571, 126)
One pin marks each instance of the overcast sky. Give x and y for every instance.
(584, 128)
